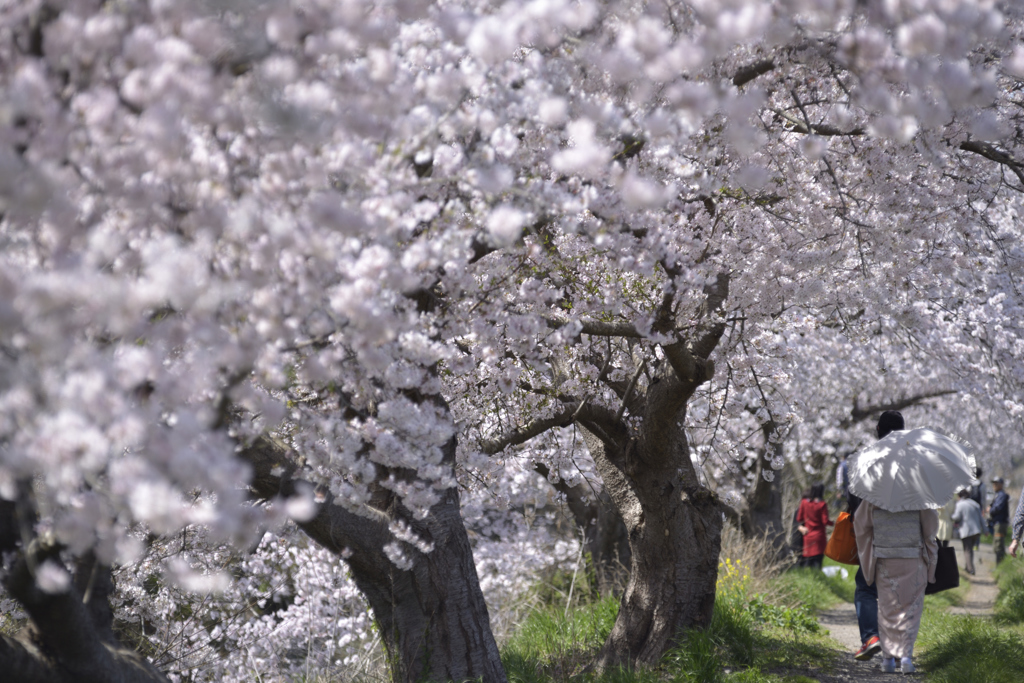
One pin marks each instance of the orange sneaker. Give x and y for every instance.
(868, 649)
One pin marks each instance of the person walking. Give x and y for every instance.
(978, 494)
(998, 514)
(813, 518)
(898, 552)
(946, 527)
(865, 595)
(843, 479)
(968, 517)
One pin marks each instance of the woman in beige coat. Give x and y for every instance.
(898, 552)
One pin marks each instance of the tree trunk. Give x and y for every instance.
(432, 617)
(762, 517)
(674, 524)
(69, 637)
(605, 538)
(672, 579)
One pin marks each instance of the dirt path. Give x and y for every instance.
(841, 623)
(982, 596)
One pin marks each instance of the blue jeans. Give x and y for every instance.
(865, 599)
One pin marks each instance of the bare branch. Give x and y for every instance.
(823, 129)
(747, 73)
(629, 390)
(333, 526)
(989, 152)
(859, 414)
(524, 434)
(596, 328)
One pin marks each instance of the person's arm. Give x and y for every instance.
(1018, 525)
(958, 514)
(801, 518)
(929, 529)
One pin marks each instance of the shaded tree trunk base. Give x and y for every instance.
(671, 588)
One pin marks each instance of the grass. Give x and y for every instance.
(1009, 608)
(813, 588)
(754, 637)
(964, 649)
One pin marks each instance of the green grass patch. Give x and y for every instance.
(816, 590)
(964, 649)
(1009, 608)
(553, 645)
(751, 639)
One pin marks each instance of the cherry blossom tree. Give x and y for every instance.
(319, 260)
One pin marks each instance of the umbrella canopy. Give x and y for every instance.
(911, 469)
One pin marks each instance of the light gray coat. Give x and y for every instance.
(968, 513)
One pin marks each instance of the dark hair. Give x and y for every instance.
(817, 491)
(963, 493)
(806, 494)
(889, 421)
(977, 473)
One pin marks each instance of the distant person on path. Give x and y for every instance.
(843, 479)
(979, 496)
(796, 538)
(999, 518)
(813, 518)
(977, 492)
(968, 518)
(1018, 525)
(899, 554)
(947, 530)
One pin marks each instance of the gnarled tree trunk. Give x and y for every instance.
(69, 637)
(432, 617)
(673, 522)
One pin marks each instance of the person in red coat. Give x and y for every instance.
(813, 518)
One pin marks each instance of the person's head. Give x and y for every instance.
(817, 492)
(963, 493)
(978, 473)
(997, 483)
(889, 421)
(806, 494)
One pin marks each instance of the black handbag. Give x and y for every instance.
(947, 574)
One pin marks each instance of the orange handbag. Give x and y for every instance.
(842, 544)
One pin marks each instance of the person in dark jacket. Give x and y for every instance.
(999, 518)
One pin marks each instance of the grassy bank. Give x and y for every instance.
(964, 649)
(764, 630)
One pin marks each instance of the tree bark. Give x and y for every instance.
(673, 522)
(762, 517)
(432, 618)
(605, 538)
(69, 638)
